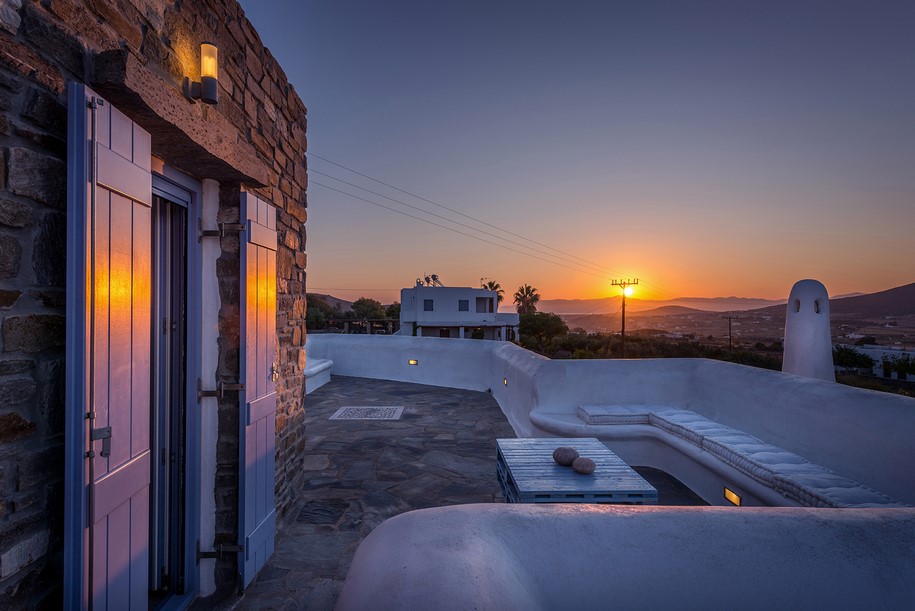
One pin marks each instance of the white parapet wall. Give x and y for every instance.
(862, 435)
(570, 556)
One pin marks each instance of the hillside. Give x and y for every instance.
(852, 318)
(899, 301)
(345, 306)
(669, 310)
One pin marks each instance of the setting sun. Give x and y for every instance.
(628, 291)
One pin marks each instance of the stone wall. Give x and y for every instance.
(136, 53)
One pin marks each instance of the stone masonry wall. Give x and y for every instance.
(258, 134)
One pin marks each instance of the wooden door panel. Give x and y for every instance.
(257, 519)
(111, 253)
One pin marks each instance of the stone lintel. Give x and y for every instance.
(199, 141)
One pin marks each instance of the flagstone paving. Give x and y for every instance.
(442, 451)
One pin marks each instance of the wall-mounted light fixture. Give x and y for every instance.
(207, 89)
(505, 381)
(731, 496)
(412, 362)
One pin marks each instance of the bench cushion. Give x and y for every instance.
(791, 475)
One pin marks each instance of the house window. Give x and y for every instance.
(481, 305)
(427, 305)
(444, 332)
(463, 305)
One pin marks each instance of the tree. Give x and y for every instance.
(368, 308)
(526, 298)
(845, 356)
(539, 328)
(393, 311)
(317, 311)
(494, 286)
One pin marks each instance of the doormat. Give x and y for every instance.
(388, 412)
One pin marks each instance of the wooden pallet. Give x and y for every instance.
(527, 473)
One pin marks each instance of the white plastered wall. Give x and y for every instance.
(209, 333)
(861, 434)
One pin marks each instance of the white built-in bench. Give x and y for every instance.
(792, 476)
(317, 373)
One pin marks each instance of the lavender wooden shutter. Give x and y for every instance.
(257, 516)
(108, 334)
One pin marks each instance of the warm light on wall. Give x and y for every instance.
(505, 381)
(208, 61)
(413, 362)
(731, 496)
(207, 89)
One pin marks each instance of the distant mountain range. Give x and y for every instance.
(899, 301)
(888, 314)
(611, 305)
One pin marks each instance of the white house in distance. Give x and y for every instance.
(431, 309)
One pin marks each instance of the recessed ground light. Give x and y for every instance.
(413, 362)
(732, 496)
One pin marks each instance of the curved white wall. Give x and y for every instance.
(862, 435)
(566, 556)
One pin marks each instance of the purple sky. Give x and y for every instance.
(709, 148)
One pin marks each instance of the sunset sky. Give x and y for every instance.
(707, 148)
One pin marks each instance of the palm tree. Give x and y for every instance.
(494, 286)
(526, 298)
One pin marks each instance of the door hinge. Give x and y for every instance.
(221, 389)
(103, 434)
(221, 550)
(221, 232)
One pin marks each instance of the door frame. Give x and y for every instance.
(183, 190)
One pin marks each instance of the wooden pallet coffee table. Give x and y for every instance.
(528, 474)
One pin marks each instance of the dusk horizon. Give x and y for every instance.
(707, 149)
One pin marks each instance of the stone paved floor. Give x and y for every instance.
(360, 472)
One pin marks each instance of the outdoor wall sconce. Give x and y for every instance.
(731, 496)
(207, 89)
(505, 381)
(412, 362)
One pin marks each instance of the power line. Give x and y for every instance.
(445, 218)
(521, 252)
(326, 288)
(482, 222)
(458, 212)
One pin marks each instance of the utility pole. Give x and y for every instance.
(626, 285)
(730, 318)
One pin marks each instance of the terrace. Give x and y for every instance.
(361, 472)
(442, 453)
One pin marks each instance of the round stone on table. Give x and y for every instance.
(584, 465)
(565, 455)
